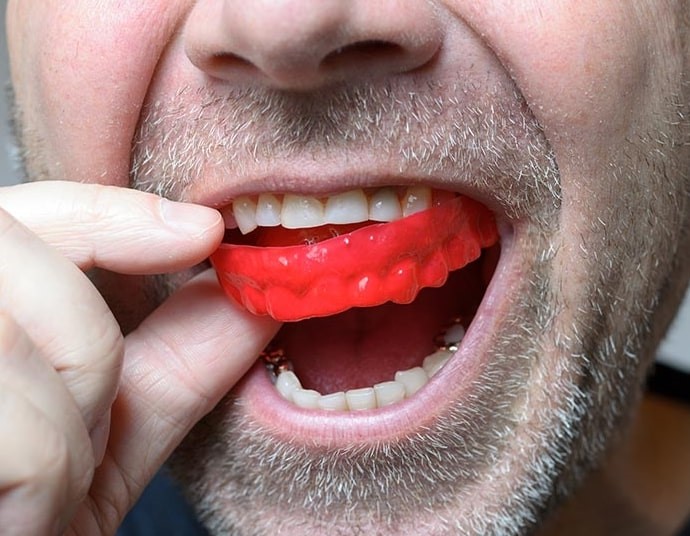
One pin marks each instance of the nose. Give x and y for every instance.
(304, 44)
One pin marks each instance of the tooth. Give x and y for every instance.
(286, 383)
(405, 385)
(301, 211)
(388, 393)
(384, 206)
(348, 207)
(268, 211)
(358, 399)
(244, 210)
(454, 334)
(306, 398)
(333, 402)
(412, 380)
(417, 198)
(228, 218)
(435, 361)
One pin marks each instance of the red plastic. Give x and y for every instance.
(363, 268)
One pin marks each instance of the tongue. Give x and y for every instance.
(362, 347)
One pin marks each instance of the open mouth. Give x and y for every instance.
(376, 288)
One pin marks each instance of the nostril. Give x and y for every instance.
(288, 46)
(222, 61)
(366, 53)
(363, 51)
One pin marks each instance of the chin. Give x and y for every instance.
(475, 407)
(433, 375)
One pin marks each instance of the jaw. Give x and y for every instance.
(459, 447)
(523, 408)
(507, 421)
(488, 434)
(502, 432)
(446, 449)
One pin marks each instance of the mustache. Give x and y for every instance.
(485, 137)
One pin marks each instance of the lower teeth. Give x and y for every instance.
(405, 384)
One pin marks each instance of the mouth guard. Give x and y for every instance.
(363, 268)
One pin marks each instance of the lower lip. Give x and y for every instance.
(451, 385)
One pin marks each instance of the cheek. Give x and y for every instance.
(81, 74)
(581, 64)
(597, 76)
(588, 70)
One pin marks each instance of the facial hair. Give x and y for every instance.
(552, 392)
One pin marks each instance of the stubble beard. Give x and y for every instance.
(550, 396)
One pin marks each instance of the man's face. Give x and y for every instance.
(567, 119)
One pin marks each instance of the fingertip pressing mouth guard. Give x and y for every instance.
(363, 268)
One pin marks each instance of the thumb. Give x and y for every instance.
(178, 365)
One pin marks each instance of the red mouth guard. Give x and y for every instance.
(366, 267)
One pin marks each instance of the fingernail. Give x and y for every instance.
(187, 218)
(99, 438)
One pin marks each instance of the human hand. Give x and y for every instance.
(87, 416)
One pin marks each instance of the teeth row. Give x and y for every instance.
(406, 384)
(299, 211)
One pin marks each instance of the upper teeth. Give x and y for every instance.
(301, 211)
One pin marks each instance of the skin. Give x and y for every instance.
(585, 101)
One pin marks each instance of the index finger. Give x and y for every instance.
(119, 229)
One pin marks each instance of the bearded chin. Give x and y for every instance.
(494, 466)
(554, 387)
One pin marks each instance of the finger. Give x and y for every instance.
(178, 365)
(100, 433)
(119, 229)
(44, 411)
(63, 314)
(24, 370)
(34, 468)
